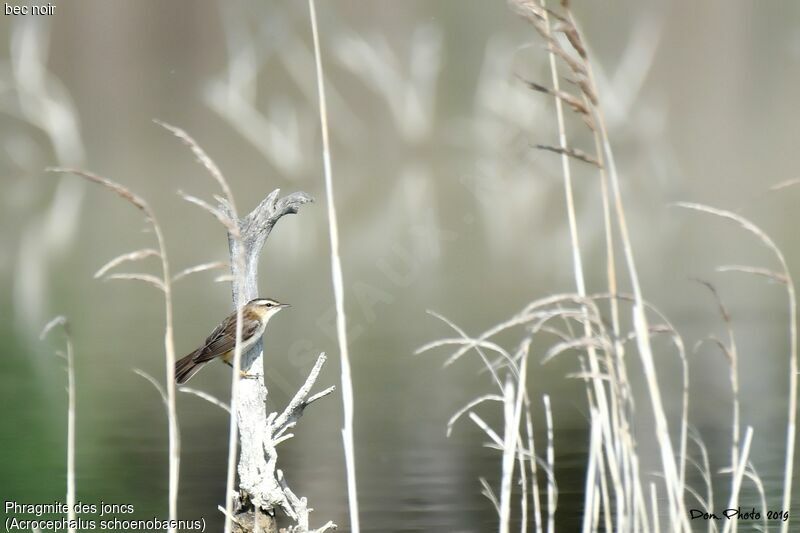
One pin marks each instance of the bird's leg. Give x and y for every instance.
(242, 374)
(245, 375)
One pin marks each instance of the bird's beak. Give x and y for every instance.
(285, 305)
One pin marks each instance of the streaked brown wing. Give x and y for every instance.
(223, 338)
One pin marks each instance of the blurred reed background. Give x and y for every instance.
(443, 205)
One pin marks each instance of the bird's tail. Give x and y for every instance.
(186, 367)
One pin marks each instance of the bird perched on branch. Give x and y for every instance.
(222, 341)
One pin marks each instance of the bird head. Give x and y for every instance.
(265, 307)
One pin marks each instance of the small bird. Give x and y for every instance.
(222, 341)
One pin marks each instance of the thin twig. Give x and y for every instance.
(131, 256)
(200, 268)
(207, 397)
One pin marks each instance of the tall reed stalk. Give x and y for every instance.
(605, 414)
(164, 284)
(338, 283)
(62, 322)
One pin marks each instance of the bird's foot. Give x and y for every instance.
(245, 375)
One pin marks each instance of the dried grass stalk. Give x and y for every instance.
(338, 284)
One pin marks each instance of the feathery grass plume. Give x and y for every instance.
(338, 284)
(615, 492)
(62, 323)
(608, 418)
(785, 278)
(586, 106)
(164, 284)
(731, 355)
(230, 221)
